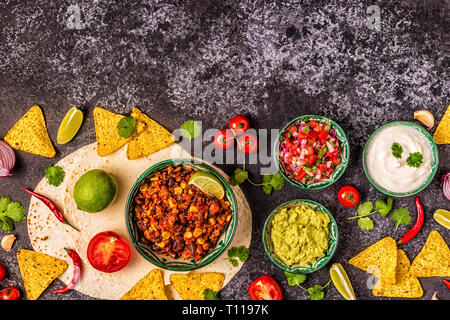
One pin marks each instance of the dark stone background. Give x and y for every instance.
(210, 60)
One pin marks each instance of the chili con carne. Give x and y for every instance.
(58, 214)
(417, 226)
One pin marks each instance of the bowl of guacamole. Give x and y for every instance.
(300, 236)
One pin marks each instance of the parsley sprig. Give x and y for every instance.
(210, 294)
(397, 150)
(55, 175)
(236, 254)
(414, 159)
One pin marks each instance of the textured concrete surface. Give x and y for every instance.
(209, 60)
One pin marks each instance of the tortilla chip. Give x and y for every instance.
(151, 140)
(151, 287)
(108, 139)
(191, 286)
(442, 133)
(380, 259)
(30, 134)
(407, 286)
(434, 258)
(38, 271)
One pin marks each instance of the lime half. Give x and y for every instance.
(208, 183)
(442, 217)
(341, 281)
(70, 125)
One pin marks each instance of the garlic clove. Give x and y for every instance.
(8, 241)
(434, 297)
(426, 117)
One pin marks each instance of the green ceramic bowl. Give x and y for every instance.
(434, 162)
(164, 261)
(337, 173)
(334, 235)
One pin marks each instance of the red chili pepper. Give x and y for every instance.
(417, 226)
(77, 266)
(447, 282)
(51, 206)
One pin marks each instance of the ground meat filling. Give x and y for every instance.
(178, 219)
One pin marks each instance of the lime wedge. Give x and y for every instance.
(208, 183)
(70, 125)
(442, 217)
(341, 281)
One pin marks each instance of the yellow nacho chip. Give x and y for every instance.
(442, 133)
(191, 286)
(151, 287)
(380, 259)
(108, 139)
(38, 271)
(152, 139)
(30, 134)
(407, 286)
(434, 258)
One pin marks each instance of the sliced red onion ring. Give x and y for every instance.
(7, 159)
(446, 185)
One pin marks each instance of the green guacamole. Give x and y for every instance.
(300, 234)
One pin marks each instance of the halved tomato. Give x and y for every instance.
(265, 288)
(108, 252)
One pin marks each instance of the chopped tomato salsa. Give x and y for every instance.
(310, 151)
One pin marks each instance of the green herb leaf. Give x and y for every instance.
(55, 175)
(10, 211)
(239, 176)
(272, 182)
(414, 160)
(242, 253)
(397, 150)
(126, 126)
(384, 207)
(401, 217)
(365, 223)
(191, 129)
(316, 292)
(365, 208)
(294, 279)
(209, 294)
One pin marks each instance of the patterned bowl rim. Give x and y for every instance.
(321, 262)
(338, 172)
(434, 163)
(178, 264)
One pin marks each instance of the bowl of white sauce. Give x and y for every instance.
(400, 158)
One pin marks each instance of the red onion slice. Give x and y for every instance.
(446, 185)
(7, 159)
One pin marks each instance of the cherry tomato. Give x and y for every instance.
(348, 196)
(248, 143)
(265, 288)
(108, 252)
(2, 272)
(239, 124)
(224, 139)
(10, 293)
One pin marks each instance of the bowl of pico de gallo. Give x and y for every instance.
(311, 152)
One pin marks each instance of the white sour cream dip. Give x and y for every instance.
(394, 174)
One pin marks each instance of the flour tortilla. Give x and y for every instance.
(49, 236)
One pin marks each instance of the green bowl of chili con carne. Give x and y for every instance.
(163, 260)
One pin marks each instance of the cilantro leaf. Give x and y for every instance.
(294, 279)
(316, 292)
(272, 182)
(239, 176)
(242, 253)
(397, 150)
(209, 294)
(191, 129)
(365, 223)
(414, 160)
(10, 211)
(384, 207)
(55, 175)
(401, 217)
(365, 208)
(126, 126)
